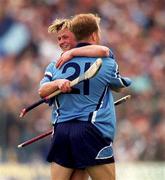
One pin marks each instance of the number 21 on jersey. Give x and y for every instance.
(75, 74)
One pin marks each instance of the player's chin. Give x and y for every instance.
(65, 48)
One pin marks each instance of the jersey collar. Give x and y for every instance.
(83, 44)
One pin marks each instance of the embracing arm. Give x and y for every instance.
(119, 85)
(49, 87)
(89, 51)
(118, 82)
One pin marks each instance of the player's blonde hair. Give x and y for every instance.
(59, 24)
(83, 25)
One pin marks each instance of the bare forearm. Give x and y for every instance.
(88, 51)
(91, 51)
(47, 88)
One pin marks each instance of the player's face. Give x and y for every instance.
(66, 40)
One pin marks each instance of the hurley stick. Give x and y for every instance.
(120, 101)
(91, 72)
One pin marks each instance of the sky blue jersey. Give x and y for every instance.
(90, 100)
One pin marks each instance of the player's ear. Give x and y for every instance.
(95, 37)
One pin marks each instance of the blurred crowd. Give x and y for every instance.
(133, 29)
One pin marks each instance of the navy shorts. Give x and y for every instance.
(78, 144)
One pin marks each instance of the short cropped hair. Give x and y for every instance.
(84, 25)
(59, 24)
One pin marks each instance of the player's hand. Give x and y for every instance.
(64, 85)
(65, 57)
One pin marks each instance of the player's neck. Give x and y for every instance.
(88, 41)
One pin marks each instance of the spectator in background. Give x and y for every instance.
(14, 36)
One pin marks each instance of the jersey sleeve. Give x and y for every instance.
(111, 55)
(116, 80)
(48, 75)
(110, 73)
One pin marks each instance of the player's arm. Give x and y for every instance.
(88, 51)
(116, 81)
(49, 87)
(91, 51)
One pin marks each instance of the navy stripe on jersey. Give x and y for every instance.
(48, 75)
(124, 82)
(111, 54)
(50, 78)
(92, 114)
(118, 76)
(58, 111)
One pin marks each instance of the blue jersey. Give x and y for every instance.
(90, 100)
